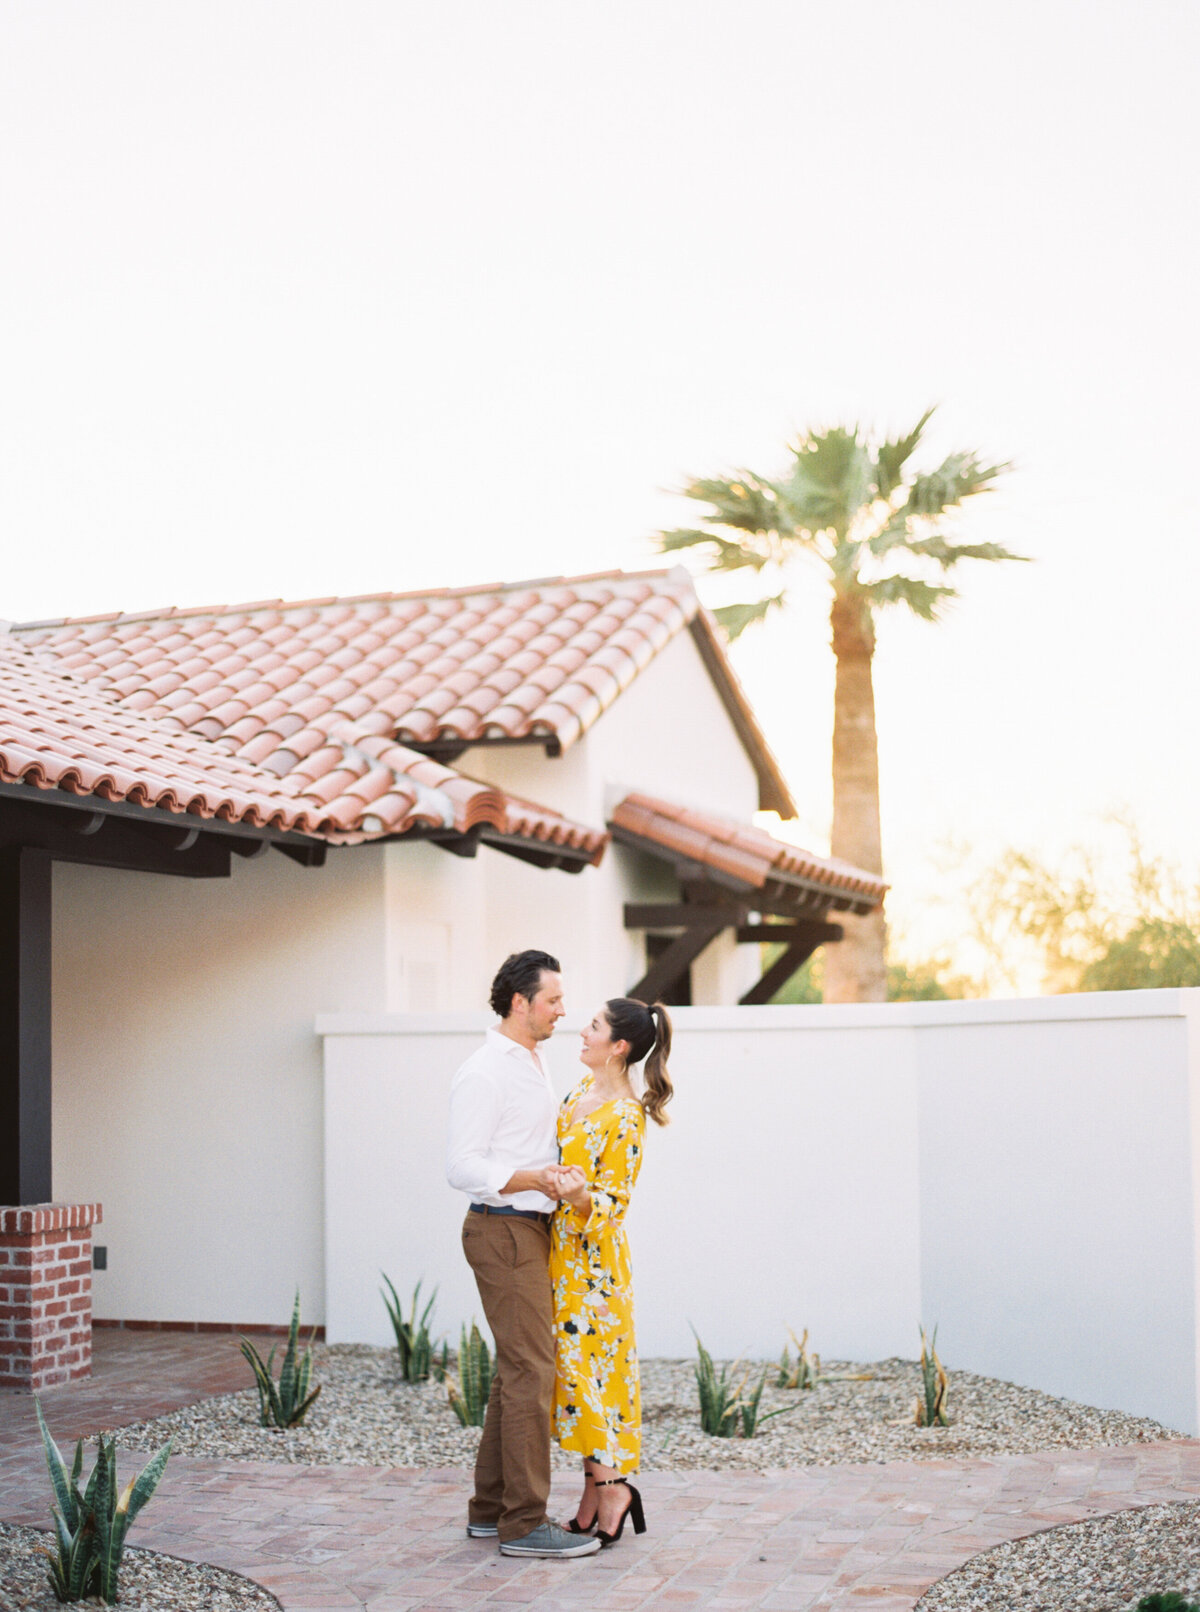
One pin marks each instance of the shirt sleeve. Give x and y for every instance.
(614, 1176)
(474, 1112)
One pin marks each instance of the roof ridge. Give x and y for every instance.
(178, 612)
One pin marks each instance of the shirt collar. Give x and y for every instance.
(505, 1043)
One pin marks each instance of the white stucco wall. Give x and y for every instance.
(187, 1078)
(668, 735)
(1021, 1174)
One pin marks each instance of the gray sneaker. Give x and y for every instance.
(482, 1530)
(549, 1540)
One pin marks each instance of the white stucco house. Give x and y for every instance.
(220, 824)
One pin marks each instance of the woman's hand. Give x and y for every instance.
(572, 1188)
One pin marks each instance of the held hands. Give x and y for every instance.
(570, 1185)
(562, 1181)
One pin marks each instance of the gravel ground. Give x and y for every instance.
(1106, 1564)
(149, 1581)
(368, 1416)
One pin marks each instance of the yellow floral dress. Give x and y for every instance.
(597, 1397)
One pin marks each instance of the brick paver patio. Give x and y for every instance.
(323, 1538)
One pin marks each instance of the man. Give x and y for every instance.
(503, 1153)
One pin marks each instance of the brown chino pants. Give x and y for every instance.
(510, 1257)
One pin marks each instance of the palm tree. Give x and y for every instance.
(851, 504)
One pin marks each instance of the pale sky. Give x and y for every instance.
(301, 299)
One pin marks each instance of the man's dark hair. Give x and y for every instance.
(520, 975)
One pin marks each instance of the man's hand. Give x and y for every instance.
(547, 1181)
(543, 1180)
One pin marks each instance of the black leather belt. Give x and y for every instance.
(522, 1214)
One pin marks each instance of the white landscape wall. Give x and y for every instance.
(187, 1079)
(1020, 1173)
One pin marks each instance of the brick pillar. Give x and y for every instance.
(46, 1293)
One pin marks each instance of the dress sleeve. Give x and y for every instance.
(613, 1174)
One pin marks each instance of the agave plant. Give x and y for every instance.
(1167, 1601)
(286, 1403)
(932, 1412)
(413, 1343)
(91, 1526)
(469, 1396)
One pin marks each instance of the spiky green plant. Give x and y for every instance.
(727, 1409)
(1167, 1601)
(287, 1403)
(90, 1526)
(805, 1372)
(931, 1412)
(440, 1364)
(718, 1395)
(413, 1343)
(468, 1396)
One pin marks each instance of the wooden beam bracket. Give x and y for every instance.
(675, 961)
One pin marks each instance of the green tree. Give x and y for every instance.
(1099, 923)
(852, 505)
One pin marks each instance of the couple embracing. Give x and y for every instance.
(544, 1235)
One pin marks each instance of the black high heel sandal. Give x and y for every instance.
(633, 1509)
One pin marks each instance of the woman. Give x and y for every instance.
(597, 1402)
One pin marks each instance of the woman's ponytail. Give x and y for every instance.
(648, 1031)
(659, 1089)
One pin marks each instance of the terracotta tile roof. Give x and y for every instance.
(537, 661)
(62, 731)
(741, 851)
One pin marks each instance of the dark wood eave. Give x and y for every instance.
(119, 834)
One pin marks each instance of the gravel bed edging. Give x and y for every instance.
(150, 1581)
(1104, 1564)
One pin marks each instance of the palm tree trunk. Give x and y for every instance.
(855, 968)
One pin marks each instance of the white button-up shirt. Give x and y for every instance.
(503, 1117)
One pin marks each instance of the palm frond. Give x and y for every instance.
(891, 457)
(747, 502)
(734, 619)
(947, 554)
(895, 533)
(961, 476)
(832, 478)
(727, 555)
(924, 599)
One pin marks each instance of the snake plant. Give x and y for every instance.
(727, 1408)
(932, 1412)
(413, 1343)
(286, 1403)
(90, 1526)
(469, 1396)
(806, 1371)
